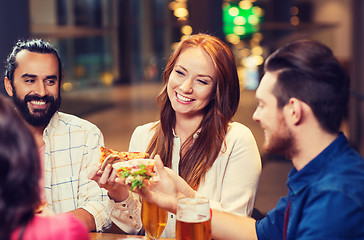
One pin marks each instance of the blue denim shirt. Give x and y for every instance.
(327, 198)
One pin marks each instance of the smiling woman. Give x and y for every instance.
(196, 136)
(191, 83)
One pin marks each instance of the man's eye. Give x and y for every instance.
(29, 80)
(50, 82)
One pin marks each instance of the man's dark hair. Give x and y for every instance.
(32, 45)
(308, 70)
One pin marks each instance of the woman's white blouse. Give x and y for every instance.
(230, 184)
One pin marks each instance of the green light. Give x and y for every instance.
(242, 22)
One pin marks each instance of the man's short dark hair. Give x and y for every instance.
(308, 70)
(32, 45)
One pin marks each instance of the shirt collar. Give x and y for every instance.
(298, 180)
(52, 125)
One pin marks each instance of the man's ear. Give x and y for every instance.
(8, 86)
(294, 111)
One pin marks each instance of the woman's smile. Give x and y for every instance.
(183, 99)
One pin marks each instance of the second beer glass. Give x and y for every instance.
(193, 219)
(154, 219)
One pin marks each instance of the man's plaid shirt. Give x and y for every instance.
(71, 150)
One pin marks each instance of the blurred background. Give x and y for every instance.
(114, 52)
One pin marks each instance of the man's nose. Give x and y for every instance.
(40, 89)
(255, 116)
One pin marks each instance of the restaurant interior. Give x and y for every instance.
(114, 52)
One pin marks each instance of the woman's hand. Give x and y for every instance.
(117, 190)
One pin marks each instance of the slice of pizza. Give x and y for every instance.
(110, 156)
(135, 171)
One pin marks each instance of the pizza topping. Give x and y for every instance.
(135, 171)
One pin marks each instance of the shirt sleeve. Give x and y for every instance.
(140, 138)
(240, 174)
(127, 214)
(91, 197)
(271, 226)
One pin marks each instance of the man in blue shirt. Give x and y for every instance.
(302, 97)
(302, 100)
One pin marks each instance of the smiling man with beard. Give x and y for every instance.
(68, 146)
(41, 115)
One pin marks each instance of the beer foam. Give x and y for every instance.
(194, 218)
(194, 213)
(193, 210)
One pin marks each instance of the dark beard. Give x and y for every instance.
(39, 118)
(282, 142)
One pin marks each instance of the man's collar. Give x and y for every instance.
(298, 180)
(52, 124)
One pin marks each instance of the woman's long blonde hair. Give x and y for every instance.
(198, 155)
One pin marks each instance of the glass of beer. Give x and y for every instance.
(193, 219)
(154, 219)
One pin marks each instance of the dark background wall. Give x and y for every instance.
(14, 24)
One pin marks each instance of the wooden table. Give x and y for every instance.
(113, 236)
